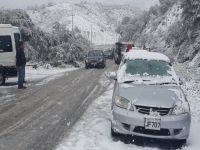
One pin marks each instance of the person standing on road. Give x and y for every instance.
(20, 63)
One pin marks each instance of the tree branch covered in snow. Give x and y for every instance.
(61, 46)
(171, 27)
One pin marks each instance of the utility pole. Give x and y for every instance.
(73, 22)
(91, 34)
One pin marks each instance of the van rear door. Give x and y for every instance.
(7, 53)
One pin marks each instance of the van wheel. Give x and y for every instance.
(2, 79)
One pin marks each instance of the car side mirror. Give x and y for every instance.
(111, 75)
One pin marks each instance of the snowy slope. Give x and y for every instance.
(159, 27)
(92, 19)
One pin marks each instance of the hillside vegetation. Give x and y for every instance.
(60, 46)
(96, 22)
(173, 27)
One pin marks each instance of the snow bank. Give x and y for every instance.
(42, 72)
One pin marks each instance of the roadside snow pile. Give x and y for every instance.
(46, 74)
(41, 74)
(92, 132)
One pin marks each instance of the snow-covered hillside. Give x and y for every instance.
(96, 22)
(171, 27)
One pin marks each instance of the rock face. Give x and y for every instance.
(171, 27)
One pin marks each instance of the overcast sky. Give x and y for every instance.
(25, 3)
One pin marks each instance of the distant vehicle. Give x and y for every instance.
(121, 48)
(95, 58)
(9, 37)
(148, 100)
(108, 54)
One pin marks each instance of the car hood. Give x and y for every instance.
(151, 95)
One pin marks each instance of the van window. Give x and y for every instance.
(5, 44)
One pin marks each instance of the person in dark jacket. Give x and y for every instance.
(20, 63)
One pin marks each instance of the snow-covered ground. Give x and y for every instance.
(39, 76)
(92, 132)
(46, 74)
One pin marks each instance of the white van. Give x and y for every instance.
(9, 37)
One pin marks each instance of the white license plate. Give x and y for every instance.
(152, 124)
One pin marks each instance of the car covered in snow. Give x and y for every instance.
(147, 98)
(95, 58)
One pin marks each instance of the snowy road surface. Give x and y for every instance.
(92, 131)
(36, 118)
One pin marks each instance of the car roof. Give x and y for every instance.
(143, 54)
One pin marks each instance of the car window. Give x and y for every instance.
(95, 53)
(5, 44)
(147, 67)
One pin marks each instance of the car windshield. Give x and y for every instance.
(5, 44)
(147, 67)
(95, 53)
(146, 71)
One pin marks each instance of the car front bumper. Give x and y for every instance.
(132, 123)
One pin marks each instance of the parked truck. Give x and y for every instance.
(9, 38)
(120, 48)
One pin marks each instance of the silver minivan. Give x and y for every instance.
(147, 98)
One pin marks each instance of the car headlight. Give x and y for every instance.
(87, 61)
(181, 108)
(124, 103)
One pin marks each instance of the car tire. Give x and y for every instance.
(2, 79)
(180, 142)
(117, 61)
(103, 65)
(113, 133)
(86, 66)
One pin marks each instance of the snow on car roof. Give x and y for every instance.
(143, 54)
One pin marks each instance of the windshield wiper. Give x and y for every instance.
(165, 83)
(131, 81)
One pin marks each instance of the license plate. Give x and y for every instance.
(152, 124)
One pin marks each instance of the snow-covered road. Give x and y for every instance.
(36, 77)
(92, 132)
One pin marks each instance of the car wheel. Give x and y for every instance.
(86, 66)
(113, 133)
(103, 65)
(180, 142)
(2, 79)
